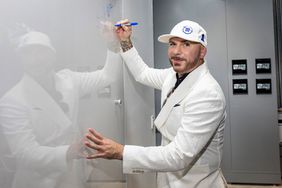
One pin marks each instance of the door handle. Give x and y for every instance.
(118, 102)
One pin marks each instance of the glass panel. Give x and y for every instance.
(56, 82)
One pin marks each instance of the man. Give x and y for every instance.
(38, 116)
(191, 120)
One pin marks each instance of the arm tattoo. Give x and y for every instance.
(126, 45)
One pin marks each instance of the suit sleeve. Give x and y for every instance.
(141, 72)
(200, 120)
(87, 82)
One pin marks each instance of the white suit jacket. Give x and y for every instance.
(191, 124)
(38, 132)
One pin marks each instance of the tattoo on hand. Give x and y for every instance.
(126, 45)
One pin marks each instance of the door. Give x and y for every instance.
(74, 28)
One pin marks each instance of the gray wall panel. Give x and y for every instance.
(139, 99)
(254, 129)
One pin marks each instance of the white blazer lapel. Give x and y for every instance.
(168, 87)
(180, 93)
(40, 99)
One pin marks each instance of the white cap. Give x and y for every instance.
(35, 38)
(187, 30)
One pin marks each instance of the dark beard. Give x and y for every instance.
(197, 62)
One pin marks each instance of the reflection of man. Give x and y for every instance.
(38, 115)
(191, 120)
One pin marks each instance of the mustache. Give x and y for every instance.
(177, 58)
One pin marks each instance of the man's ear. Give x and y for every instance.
(203, 52)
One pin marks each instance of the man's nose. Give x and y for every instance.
(177, 49)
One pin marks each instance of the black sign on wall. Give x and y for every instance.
(239, 66)
(263, 86)
(263, 66)
(240, 86)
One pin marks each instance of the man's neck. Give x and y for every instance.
(180, 75)
(46, 80)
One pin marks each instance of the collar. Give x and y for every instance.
(179, 79)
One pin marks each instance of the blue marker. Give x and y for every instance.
(127, 24)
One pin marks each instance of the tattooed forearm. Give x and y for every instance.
(126, 45)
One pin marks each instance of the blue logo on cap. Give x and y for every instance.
(187, 30)
(203, 38)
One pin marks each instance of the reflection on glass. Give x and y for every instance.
(43, 116)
